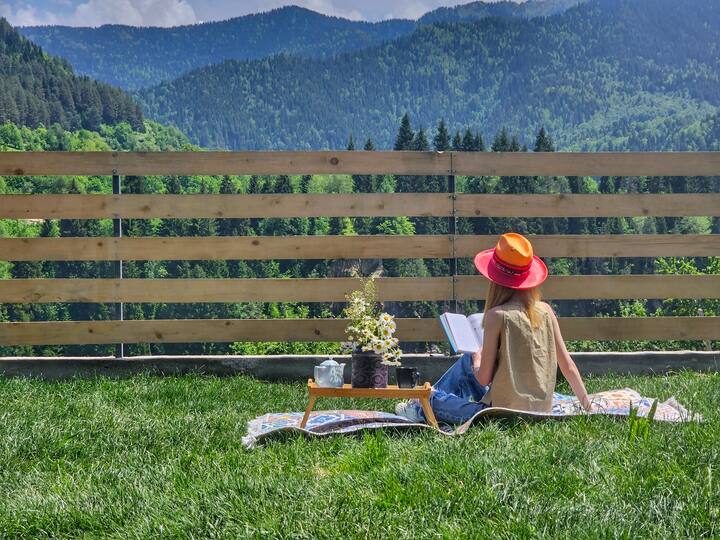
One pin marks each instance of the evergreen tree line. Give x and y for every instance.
(40, 90)
(407, 138)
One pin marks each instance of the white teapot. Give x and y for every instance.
(330, 374)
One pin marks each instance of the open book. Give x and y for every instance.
(465, 334)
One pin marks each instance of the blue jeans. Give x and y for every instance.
(456, 395)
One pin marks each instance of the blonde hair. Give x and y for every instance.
(499, 294)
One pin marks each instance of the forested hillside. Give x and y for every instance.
(608, 74)
(134, 58)
(38, 89)
(701, 135)
(137, 57)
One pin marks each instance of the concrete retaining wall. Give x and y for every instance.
(300, 367)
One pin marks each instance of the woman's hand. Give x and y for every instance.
(476, 362)
(476, 356)
(567, 364)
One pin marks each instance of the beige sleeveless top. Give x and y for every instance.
(526, 366)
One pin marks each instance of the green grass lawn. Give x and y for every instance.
(150, 457)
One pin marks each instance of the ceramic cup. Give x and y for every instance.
(407, 377)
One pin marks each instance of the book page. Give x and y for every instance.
(475, 321)
(460, 333)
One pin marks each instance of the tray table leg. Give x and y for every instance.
(310, 406)
(429, 414)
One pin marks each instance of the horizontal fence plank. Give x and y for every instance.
(590, 163)
(604, 245)
(228, 330)
(347, 247)
(335, 289)
(289, 205)
(328, 162)
(607, 287)
(214, 248)
(640, 328)
(216, 290)
(197, 163)
(225, 206)
(569, 205)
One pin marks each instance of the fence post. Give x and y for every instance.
(117, 233)
(452, 229)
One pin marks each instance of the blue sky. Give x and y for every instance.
(175, 12)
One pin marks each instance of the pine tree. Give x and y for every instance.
(468, 141)
(606, 184)
(457, 142)
(441, 141)
(543, 142)
(254, 184)
(230, 226)
(363, 183)
(405, 136)
(351, 144)
(282, 184)
(405, 141)
(369, 146)
(267, 186)
(478, 143)
(173, 227)
(420, 142)
(501, 143)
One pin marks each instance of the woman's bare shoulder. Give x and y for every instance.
(546, 307)
(494, 313)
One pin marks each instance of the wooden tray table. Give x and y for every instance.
(421, 393)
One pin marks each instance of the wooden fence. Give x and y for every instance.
(451, 205)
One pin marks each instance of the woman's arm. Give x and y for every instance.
(484, 359)
(567, 364)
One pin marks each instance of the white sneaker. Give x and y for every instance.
(409, 410)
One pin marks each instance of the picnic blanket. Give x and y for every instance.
(323, 423)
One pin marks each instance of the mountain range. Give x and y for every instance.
(598, 74)
(607, 74)
(137, 57)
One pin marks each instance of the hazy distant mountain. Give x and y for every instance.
(606, 74)
(134, 58)
(38, 89)
(482, 10)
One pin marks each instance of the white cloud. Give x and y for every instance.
(329, 8)
(99, 12)
(26, 15)
(412, 10)
(134, 13)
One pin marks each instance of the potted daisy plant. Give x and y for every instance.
(370, 336)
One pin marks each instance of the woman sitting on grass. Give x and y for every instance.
(522, 345)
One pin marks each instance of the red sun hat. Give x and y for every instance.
(511, 263)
